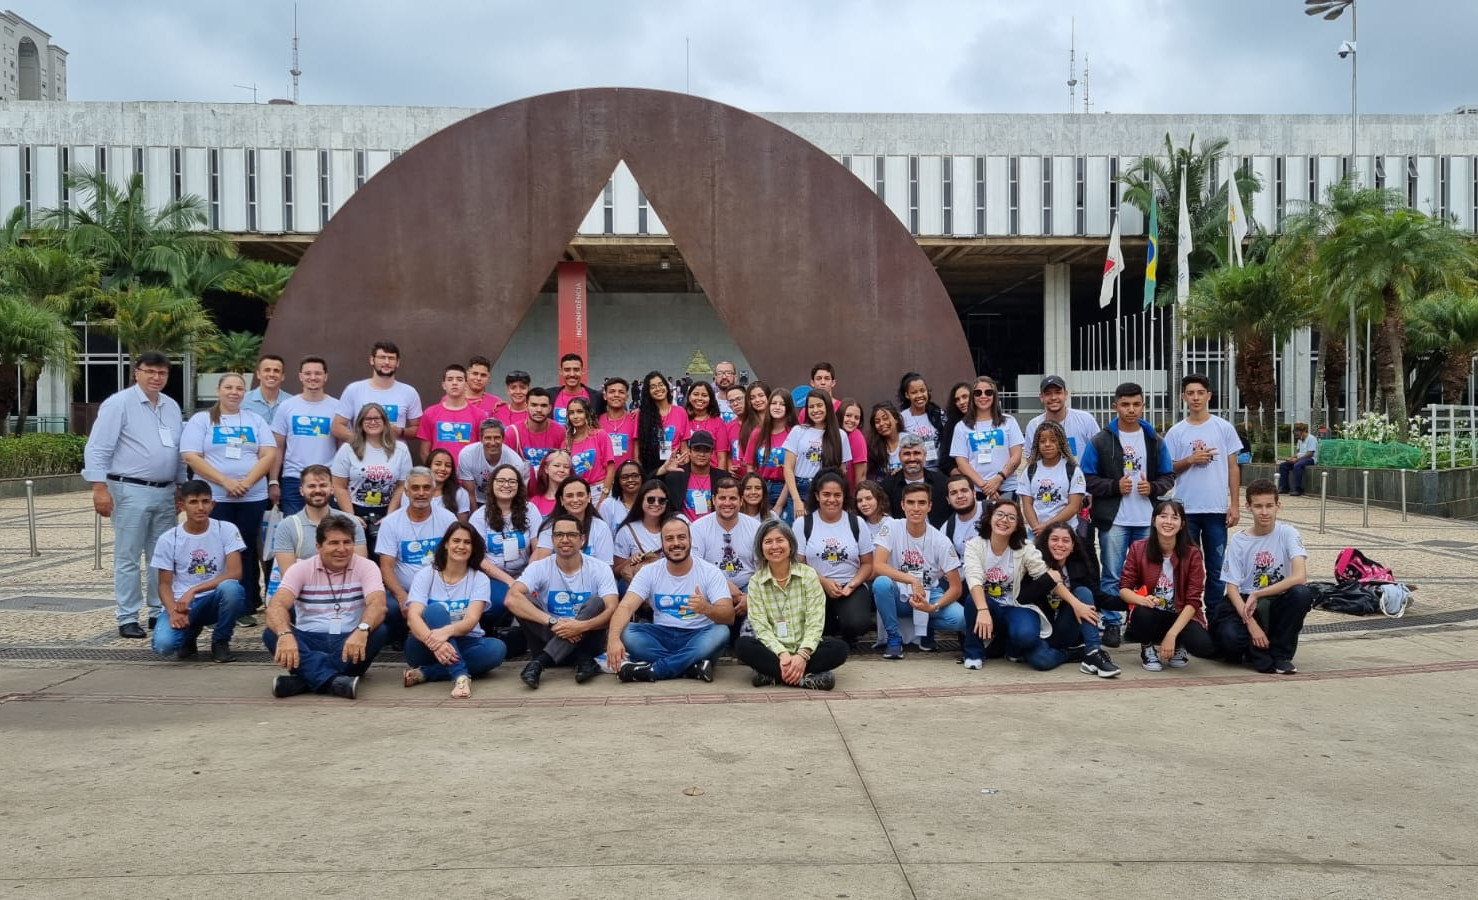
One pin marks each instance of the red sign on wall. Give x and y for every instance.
(573, 311)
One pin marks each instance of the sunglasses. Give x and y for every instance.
(985, 392)
(654, 499)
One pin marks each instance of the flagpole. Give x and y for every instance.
(1118, 326)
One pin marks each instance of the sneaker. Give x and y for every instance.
(635, 671)
(188, 648)
(821, 681)
(1078, 653)
(1285, 667)
(894, 650)
(1113, 636)
(928, 644)
(1015, 659)
(346, 686)
(220, 651)
(1179, 659)
(1149, 657)
(880, 643)
(247, 621)
(701, 670)
(1098, 663)
(288, 685)
(760, 679)
(973, 663)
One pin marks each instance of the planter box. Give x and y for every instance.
(12, 488)
(1448, 493)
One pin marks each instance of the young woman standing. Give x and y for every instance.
(987, 443)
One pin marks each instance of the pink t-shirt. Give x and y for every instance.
(494, 407)
(714, 426)
(859, 452)
(622, 434)
(330, 603)
(592, 456)
(545, 505)
(516, 416)
(772, 467)
(450, 429)
(674, 430)
(562, 402)
(698, 502)
(535, 445)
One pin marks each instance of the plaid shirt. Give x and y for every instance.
(801, 605)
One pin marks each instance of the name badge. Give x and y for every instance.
(166, 437)
(233, 448)
(511, 544)
(618, 443)
(335, 621)
(782, 629)
(561, 415)
(698, 501)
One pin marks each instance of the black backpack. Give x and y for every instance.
(809, 518)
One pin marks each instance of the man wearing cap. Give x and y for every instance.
(689, 475)
(911, 458)
(1079, 426)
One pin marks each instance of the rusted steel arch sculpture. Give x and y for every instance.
(445, 249)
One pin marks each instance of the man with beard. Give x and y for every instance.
(402, 403)
(477, 461)
(911, 456)
(408, 537)
(564, 603)
(303, 427)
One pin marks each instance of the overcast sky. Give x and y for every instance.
(1248, 56)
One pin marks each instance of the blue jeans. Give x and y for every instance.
(475, 655)
(1295, 471)
(219, 607)
(892, 603)
(292, 496)
(787, 512)
(672, 651)
(1209, 531)
(1113, 546)
(321, 655)
(246, 515)
(141, 516)
(804, 486)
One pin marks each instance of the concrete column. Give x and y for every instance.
(1057, 325)
(1295, 381)
(52, 395)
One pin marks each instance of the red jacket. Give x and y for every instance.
(1189, 574)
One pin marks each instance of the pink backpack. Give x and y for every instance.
(1352, 565)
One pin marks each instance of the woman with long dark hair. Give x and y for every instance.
(884, 428)
(661, 425)
(614, 508)
(1074, 618)
(589, 447)
(511, 525)
(703, 415)
(838, 545)
(556, 466)
(849, 416)
(445, 604)
(447, 492)
(959, 405)
(638, 541)
(1162, 583)
(754, 497)
(923, 417)
(812, 446)
(987, 443)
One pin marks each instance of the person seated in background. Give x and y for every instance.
(199, 565)
(1266, 584)
(787, 613)
(1305, 454)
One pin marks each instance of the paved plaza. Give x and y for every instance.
(131, 777)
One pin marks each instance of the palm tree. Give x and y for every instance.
(113, 225)
(158, 318)
(1395, 258)
(33, 338)
(1251, 306)
(1442, 336)
(54, 281)
(262, 280)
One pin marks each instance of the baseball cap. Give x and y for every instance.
(1052, 381)
(701, 440)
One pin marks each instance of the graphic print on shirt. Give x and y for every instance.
(584, 461)
(1197, 445)
(913, 563)
(729, 560)
(931, 440)
(454, 431)
(567, 604)
(997, 580)
(535, 455)
(1265, 570)
(418, 552)
(619, 442)
(813, 451)
(675, 605)
(1048, 491)
(1133, 465)
(233, 434)
(832, 551)
(774, 459)
(374, 490)
(1164, 592)
(201, 563)
(310, 426)
(392, 413)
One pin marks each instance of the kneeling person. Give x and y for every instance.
(691, 612)
(787, 609)
(1266, 582)
(339, 601)
(564, 603)
(199, 565)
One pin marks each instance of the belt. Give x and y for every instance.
(124, 479)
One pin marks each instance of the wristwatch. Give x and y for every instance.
(552, 621)
(362, 626)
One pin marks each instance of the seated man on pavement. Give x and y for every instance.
(199, 564)
(1267, 586)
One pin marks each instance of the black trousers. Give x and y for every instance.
(850, 616)
(1281, 617)
(1149, 626)
(829, 654)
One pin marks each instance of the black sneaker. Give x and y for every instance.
(585, 669)
(531, 672)
(1113, 636)
(346, 686)
(1285, 667)
(220, 651)
(189, 647)
(154, 621)
(132, 630)
(821, 681)
(701, 670)
(635, 671)
(928, 644)
(288, 685)
(760, 679)
(1098, 663)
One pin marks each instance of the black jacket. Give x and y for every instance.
(597, 400)
(1103, 466)
(938, 513)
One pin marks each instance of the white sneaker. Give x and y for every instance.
(972, 663)
(1180, 659)
(1149, 657)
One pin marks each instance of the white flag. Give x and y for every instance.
(1236, 216)
(1183, 248)
(1111, 266)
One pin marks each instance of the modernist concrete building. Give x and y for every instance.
(33, 68)
(1013, 210)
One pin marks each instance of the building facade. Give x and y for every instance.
(34, 68)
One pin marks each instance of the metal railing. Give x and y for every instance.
(1451, 438)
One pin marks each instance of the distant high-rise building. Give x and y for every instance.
(33, 68)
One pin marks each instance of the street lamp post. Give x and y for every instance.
(1331, 10)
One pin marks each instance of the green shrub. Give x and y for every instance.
(29, 455)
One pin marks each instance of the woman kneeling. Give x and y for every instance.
(445, 602)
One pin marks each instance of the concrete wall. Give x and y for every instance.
(1449, 493)
(630, 335)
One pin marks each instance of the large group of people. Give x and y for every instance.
(648, 528)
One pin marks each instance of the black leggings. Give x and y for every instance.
(850, 616)
(829, 654)
(1149, 626)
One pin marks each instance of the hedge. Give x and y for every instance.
(29, 455)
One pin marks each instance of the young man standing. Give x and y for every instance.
(1079, 426)
(537, 435)
(964, 512)
(564, 602)
(401, 402)
(917, 571)
(199, 565)
(1305, 454)
(450, 424)
(267, 397)
(1208, 479)
(689, 475)
(303, 428)
(618, 422)
(572, 385)
(517, 382)
(1126, 466)
(1267, 593)
(479, 371)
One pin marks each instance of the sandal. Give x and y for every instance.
(462, 688)
(412, 677)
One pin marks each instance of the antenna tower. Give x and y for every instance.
(295, 71)
(1072, 66)
(1087, 103)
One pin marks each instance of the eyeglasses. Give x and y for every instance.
(368, 419)
(985, 392)
(506, 481)
(654, 500)
(631, 476)
(566, 535)
(1004, 517)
